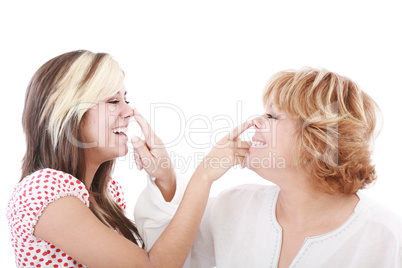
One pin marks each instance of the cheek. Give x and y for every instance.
(111, 120)
(90, 124)
(96, 131)
(279, 153)
(89, 131)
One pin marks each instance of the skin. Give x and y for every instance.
(97, 126)
(149, 152)
(70, 225)
(302, 209)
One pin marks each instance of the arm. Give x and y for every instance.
(167, 186)
(152, 213)
(70, 225)
(226, 153)
(185, 223)
(203, 251)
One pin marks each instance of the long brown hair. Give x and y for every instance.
(57, 97)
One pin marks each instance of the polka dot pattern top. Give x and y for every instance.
(29, 199)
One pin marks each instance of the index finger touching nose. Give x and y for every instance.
(145, 127)
(239, 130)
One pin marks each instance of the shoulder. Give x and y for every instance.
(116, 192)
(51, 183)
(248, 204)
(381, 219)
(34, 193)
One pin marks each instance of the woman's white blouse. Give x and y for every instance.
(239, 229)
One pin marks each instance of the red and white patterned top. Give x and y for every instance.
(29, 199)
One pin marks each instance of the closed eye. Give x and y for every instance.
(116, 102)
(270, 116)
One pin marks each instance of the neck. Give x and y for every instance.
(90, 171)
(305, 206)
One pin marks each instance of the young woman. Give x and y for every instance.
(67, 211)
(315, 143)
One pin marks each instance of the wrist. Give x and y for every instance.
(167, 176)
(167, 185)
(202, 174)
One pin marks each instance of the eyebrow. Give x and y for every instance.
(118, 93)
(275, 110)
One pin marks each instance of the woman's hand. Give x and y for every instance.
(151, 155)
(227, 152)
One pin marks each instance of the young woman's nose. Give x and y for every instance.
(127, 112)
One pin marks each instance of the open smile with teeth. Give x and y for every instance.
(120, 130)
(258, 144)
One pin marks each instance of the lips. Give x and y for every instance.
(121, 131)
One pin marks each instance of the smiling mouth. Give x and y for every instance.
(258, 144)
(120, 131)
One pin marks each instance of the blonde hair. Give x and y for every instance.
(336, 124)
(91, 78)
(58, 96)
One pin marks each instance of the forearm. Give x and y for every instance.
(167, 185)
(173, 246)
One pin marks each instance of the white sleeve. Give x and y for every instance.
(202, 254)
(152, 213)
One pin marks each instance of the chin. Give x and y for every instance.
(270, 160)
(266, 166)
(122, 151)
(264, 173)
(116, 153)
(254, 161)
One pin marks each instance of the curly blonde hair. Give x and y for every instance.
(336, 126)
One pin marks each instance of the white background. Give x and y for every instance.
(205, 58)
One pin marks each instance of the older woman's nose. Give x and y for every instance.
(258, 123)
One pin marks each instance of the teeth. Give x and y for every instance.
(123, 130)
(258, 144)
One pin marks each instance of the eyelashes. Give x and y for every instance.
(270, 116)
(116, 102)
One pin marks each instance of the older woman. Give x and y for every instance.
(314, 142)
